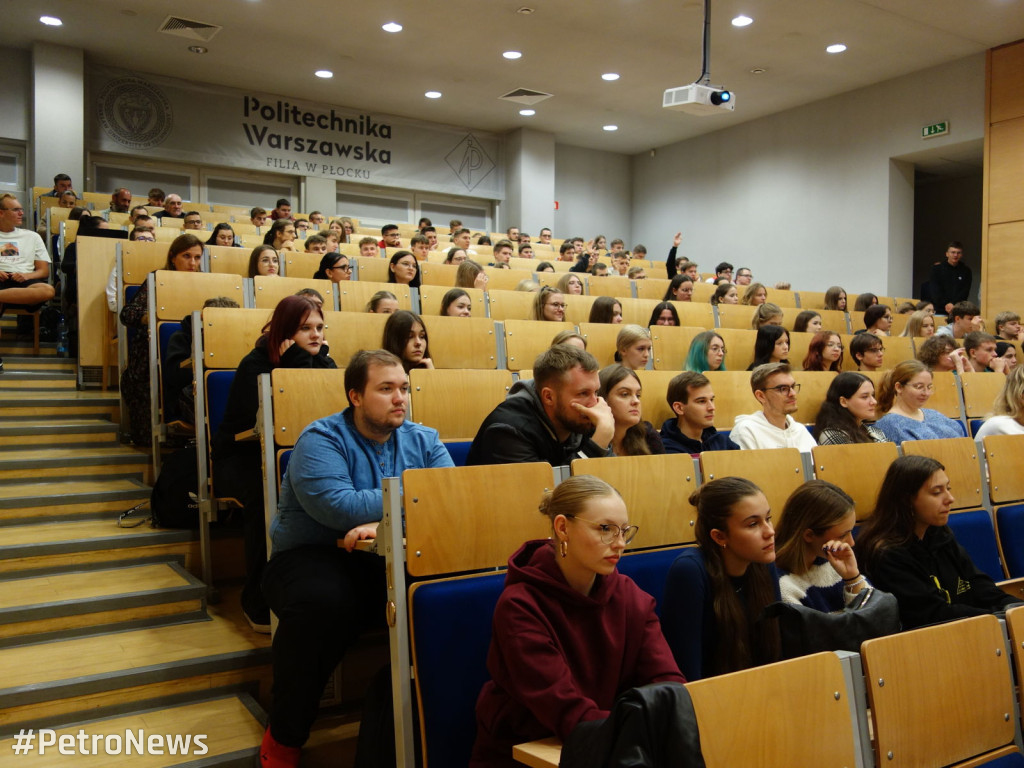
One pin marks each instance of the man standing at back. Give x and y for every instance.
(950, 280)
(324, 595)
(556, 417)
(773, 426)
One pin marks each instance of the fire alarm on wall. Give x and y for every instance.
(556, 205)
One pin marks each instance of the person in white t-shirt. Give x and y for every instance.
(24, 261)
(1009, 408)
(772, 427)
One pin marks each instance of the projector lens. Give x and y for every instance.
(720, 97)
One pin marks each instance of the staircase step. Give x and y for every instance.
(18, 363)
(26, 381)
(22, 347)
(45, 681)
(63, 404)
(73, 601)
(231, 727)
(56, 431)
(78, 542)
(67, 499)
(38, 462)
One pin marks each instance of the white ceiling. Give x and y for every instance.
(455, 47)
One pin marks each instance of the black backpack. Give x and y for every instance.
(174, 500)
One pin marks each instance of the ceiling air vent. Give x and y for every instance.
(193, 30)
(525, 96)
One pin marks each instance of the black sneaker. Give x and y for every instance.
(258, 620)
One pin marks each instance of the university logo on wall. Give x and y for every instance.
(470, 161)
(135, 113)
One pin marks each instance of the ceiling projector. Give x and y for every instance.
(699, 99)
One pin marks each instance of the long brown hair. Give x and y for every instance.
(818, 505)
(634, 442)
(741, 644)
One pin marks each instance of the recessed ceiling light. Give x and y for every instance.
(392, 26)
(198, 49)
(527, 112)
(758, 71)
(742, 21)
(512, 55)
(433, 94)
(611, 127)
(609, 76)
(524, 11)
(326, 74)
(836, 48)
(51, 21)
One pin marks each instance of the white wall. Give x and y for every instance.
(529, 181)
(593, 189)
(58, 114)
(804, 195)
(16, 94)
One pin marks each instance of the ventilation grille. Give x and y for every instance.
(525, 96)
(193, 30)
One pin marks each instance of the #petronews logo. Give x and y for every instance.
(130, 742)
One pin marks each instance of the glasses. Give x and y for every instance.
(556, 305)
(922, 387)
(784, 389)
(15, 210)
(716, 348)
(344, 268)
(608, 531)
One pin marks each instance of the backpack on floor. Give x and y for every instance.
(175, 497)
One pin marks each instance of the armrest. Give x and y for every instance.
(1014, 587)
(539, 754)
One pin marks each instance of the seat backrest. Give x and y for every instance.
(180, 293)
(739, 349)
(452, 523)
(813, 386)
(301, 264)
(456, 402)
(959, 455)
(601, 340)
(577, 309)
(1015, 628)
(833, 320)
(661, 510)
(268, 291)
(695, 314)
(506, 279)
(431, 297)
(450, 625)
(373, 270)
(652, 288)
(462, 342)
(776, 471)
(857, 468)
(1004, 456)
(354, 295)
(940, 694)
(348, 332)
(218, 385)
(617, 285)
(793, 699)
(303, 395)
(141, 258)
(654, 405)
(637, 311)
(671, 346)
(736, 316)
(510, 305)
(974, 531)
(230, 334)
(732, 394)
(526, 339)
(227, 260)
(980, 392)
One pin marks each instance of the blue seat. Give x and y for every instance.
(218, 385)
(450, 621)
(649, 569)
(1010, 520)
(165, 333)
(459, 452)
(973, 529)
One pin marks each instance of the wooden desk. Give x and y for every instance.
(539, 754)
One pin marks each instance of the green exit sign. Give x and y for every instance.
(935, 129)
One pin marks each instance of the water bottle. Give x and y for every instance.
(62, 338)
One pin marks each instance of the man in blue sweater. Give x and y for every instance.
(325, 595)
(693, 429)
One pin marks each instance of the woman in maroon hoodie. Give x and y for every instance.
(570, 632)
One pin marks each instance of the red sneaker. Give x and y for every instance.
(275, 755)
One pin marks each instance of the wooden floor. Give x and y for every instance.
(59, 587)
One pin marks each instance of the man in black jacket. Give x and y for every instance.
(950, 280)
(556, 418)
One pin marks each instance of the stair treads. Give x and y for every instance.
(61, 452)
(69, 531)
(69, 661)
(83, 585)
(56, 488)
(229, 724)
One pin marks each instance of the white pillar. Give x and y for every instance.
(529, 181)
(58, 114)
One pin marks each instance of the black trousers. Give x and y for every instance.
(241, 477)
(324, 599)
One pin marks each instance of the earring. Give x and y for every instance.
(563, 547)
